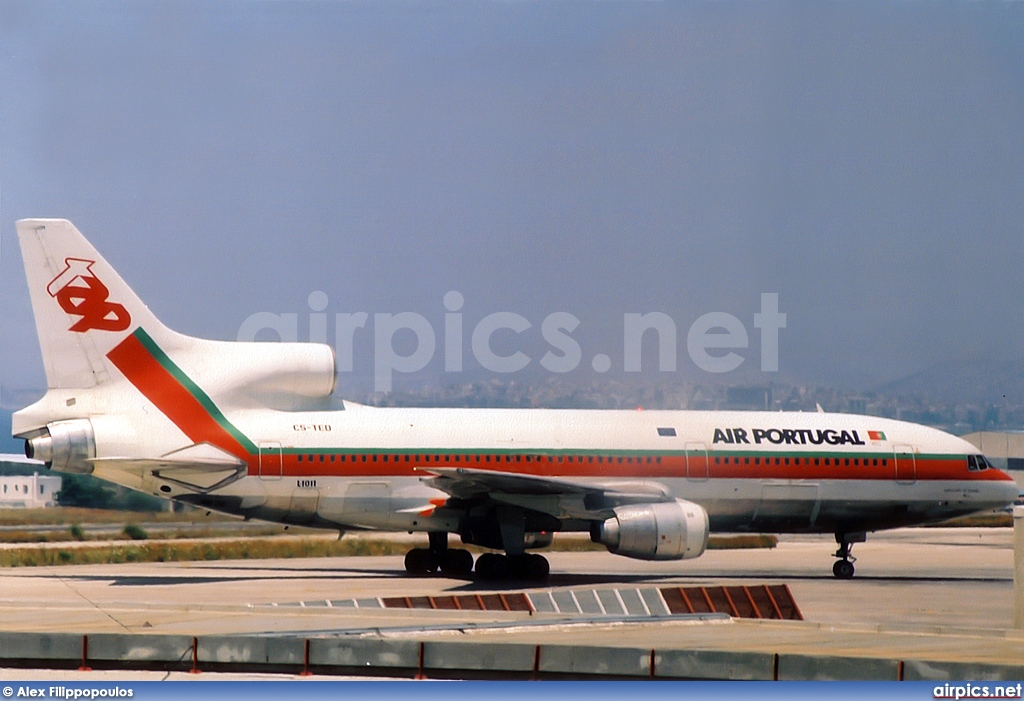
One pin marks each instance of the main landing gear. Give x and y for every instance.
(843, 569)
(451, 561)
(493, 566)
(456, 562)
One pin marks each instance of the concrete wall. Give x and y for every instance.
(447, 659)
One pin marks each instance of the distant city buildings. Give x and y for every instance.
(29, 491)
(957, 417)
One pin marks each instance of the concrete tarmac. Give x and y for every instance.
(918, 593)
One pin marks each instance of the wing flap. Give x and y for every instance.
(560, 498)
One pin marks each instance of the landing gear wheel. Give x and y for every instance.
(843, 569)
(534, 568)
(457, 562)
(420, 561)
(518, 566)
(492, 566)
(537, 568)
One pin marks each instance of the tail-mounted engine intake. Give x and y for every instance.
(65, 446)
(674, 530)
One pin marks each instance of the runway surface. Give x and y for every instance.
(938, 593)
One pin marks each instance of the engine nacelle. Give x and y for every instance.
(65, 446)
(301, 370)
(674, 530)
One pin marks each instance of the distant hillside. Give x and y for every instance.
(981, 382)
(7, 443)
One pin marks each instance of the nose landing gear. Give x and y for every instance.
(843, 569)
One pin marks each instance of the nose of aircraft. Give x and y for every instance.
(1009, 490)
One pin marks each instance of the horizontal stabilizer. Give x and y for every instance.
(18, 459)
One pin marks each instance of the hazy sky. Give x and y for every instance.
(865, 161)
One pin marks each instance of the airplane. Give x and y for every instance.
(245, 428)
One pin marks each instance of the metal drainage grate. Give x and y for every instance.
(759, 601)
(766, 601)
(464, 602)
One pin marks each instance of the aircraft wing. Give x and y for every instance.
(467, 483)
(560, 498)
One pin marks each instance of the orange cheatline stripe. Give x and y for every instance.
(168, 395)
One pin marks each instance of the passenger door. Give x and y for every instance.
(696, 462)
(271, 464)
(906, 464)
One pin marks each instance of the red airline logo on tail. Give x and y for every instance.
(80, 292)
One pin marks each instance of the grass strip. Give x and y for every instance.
(69, 515)
(269, 548)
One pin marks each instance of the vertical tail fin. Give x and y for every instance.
(82, 306)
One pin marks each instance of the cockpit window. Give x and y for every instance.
(977, 462)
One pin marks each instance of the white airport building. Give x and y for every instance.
(28, 491)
